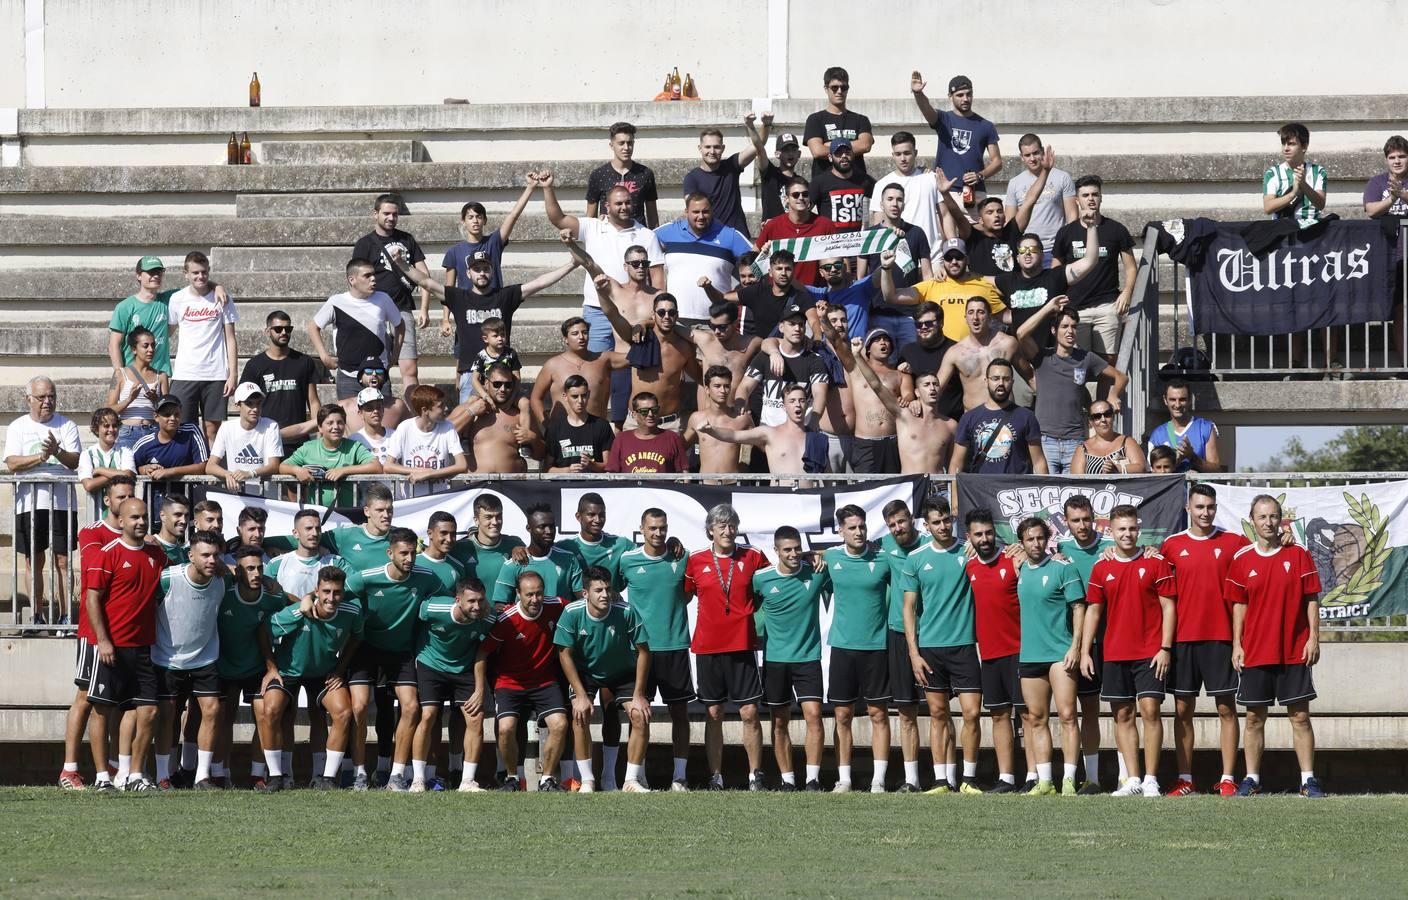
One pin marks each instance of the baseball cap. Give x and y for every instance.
(166, 400)
(150, 264)
(246, 390)
(793, 310)
(479, 256)
(785, 140)
(875, 333)
(369, 395)
(371, 362)
(960, 83)
(953, 244)
(839, 143)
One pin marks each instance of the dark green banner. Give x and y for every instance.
(1012, 498)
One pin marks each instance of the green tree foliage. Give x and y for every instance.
(1364, 448)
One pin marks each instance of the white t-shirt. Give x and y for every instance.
(607, 247)
(418, 449)
(377, 445)
(95, 457)
(246, 451)
(24, 437)
(921, 200)
(200, 321)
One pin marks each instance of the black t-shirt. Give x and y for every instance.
(1026, 296)
(923, 360)
(721, 187)
(771, 186)
(1101, 284)
(918, 243)
(993, 256)
(639, 180)
(845, 201)
(470, 309)
(763, 308)
(828, 126)
(284, 383)
(373, 248)
(567, 443)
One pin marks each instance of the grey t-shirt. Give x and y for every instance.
(1050, 212)
(1060, 391)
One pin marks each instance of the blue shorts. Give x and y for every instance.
(601, 339)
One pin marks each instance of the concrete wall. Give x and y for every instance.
(103, 54)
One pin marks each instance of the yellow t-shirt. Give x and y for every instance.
(952, 297)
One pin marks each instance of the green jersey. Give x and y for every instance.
(305, 647)
(177, 554)
(895, 555)
(860, 587)
(1046, 593)
(391, 607)
(562, 576)
(603, 649)
(484, 562)
(358, 547)
(940, 578)
(444, 643)
(152, 315)
(448, 570)
(791, 612)
(1084, 559)
(314, 454)
(239, 624)
(1279, 180)
(655, 589)
(604, 553)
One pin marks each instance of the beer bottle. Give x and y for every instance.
(676, 86)
(254, 90)
(232, 151)
(246, 155)
(668, 82)
(690, 92)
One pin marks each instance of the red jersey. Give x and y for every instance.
(724, 618)
(527, 657)
(1276, 588)
(781, 228)
(1200, 567)
(91, 538)
(1130, 590)
(129, 576)
(997, 610)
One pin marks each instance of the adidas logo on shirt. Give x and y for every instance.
(379, 594)
(248, 456)
(928, 568)
(640, 570)
(1185, 553)
(126, 565)
(229, 612)
(1109, 577)
(356, 546)
(835, 567)
(1252, 573)
(518, 637)
(581, 632)
(774, 590)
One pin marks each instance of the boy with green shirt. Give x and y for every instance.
(1084, 548)
(789, 601)
(1052, 596)
(329, 459)
(602, 648)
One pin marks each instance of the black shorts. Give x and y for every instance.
(86, 659)
(671, 676)
(905, 692)
(542, 701)
(1088, 686)
(1126, 680)
(859, 675)
(622, 690)
(730, 676)
(875, 456)
(173, 684)
(251, 686)
(378, 667)
(129, 681)
(435, 687)
(1284, 685)
(1002, 682)
(1036, 669)
(314, 686)
(786, 683)
(955, 669)
(1203, 665)
(36, 532)
(203, 399)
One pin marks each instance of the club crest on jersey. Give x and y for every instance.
(1141, 572)
(1216, 553)
(1044, 579)
(1287, 564)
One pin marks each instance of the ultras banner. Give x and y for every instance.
(1012, 498)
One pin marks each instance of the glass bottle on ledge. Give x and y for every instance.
(232, 151)
(254, 90)
(246, 153)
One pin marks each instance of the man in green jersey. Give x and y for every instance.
(246, 662)
(860, 584)
(895, 547)
(654, 581)
(487, 548)
(1084, 548)
(171, 536)
(451, 629)
(592, 545)
(559, 569)
(314, 649)
(602, 648)
(789, 596)
(1052, 595)
(439, 536)
(942, 641)
(390, 596)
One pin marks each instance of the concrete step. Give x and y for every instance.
(327, 153)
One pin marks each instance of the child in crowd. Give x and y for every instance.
(1162, 460)
(103, 460)
(496, 349)
(1295, 189)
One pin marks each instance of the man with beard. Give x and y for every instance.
(969, 358)
(952, 292)
(998, 437)
(799, 222)
(289, 380)
(841, 192)
(497, 429)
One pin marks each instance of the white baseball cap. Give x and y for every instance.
(246, 390)
(369, 395)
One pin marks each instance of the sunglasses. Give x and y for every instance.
(280, 329)
(651, 411)
(801, 195)
(501, 384)
(1103, 414)
(638, 263)
(665, 311)
(927, 324)
(839, 88)
(371, 371)
(831, 267)
(721, 326)
(1027, 251)
(953, 257)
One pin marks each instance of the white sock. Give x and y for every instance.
(470, 770)
(1069, 770)
(398, 769)
(70, 767)
(217, 770)
(587, 776)
(102, 776)
(285, 762)
(609, 752)
(844, 774)
(319, 760)
(334, 762)
(163, 767)
(681, 764)
(203, 758)
(1043, 771)
(124, 768)
(1185, 776)
(1150, 779)
(939, 769)
(1256, 779)
(882, 767)
(429, 771)
(951, 772)
(188, 755)
(911, 772)
(418, 769)
(383, 763)
(1092, 766)
(970, 770)
(1032, 776)
(813, 773)
(257, 770)
(359, 770)
(1306, 776)
(569, 769)
(633, 771)
(1007, 777)
(1124, 770)
(1227, 777)
(274, 760)
(789, 778)
(456, 762)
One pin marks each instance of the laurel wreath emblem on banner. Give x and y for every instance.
(1369, 576)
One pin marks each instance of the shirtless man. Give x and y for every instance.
(722, 344)
(676, 353)
(373, 374)
(791, 449)
(719, 409)
(969, 358)
(923, 441)
(496, 430)
(596, 368)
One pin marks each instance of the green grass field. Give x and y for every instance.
(308, 844)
